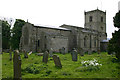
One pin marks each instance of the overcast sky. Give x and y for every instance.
(58, 12)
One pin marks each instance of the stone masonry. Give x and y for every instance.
(37, 38)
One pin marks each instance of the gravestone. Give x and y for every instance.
(60, 51)
(51, 52)
(89, 52)
(45, 57)
(57, 61)
(63, 50)
(1, 51)
(74, 55)
(98, 51)
(39, 54)
(30, 53)
(17, 65)
(81, 52)
(25, 54)
(10, 53)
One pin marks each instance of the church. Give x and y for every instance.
(39, 38)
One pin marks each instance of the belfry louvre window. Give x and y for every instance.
(101, 19)
(90, 19)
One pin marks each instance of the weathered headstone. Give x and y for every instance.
(89, 52)
(51, 52)
(39, 54)
(1, 51)
(17, 65)
(63, 50)
(10, 53)
(30, 53)
(60, 51)
(98, 51)
(81, 52)
(57, 61)
(74, 55)
(25, 54)
(45, 57)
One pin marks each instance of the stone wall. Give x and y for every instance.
(97, 21)
(41, 38)
(92, 41)
(27, 41)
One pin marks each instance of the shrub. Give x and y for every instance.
(91, 65)
(32, 69)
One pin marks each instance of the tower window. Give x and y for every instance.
(101, 28)
(101, 19)
(90, 18)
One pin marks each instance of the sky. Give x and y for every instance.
(58, 12)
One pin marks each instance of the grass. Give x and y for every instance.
(33, 67)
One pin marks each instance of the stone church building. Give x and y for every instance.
(38, 38)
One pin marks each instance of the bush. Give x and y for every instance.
(91, 65)
(32, 69)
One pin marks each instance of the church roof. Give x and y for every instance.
(95, 10)
(51, 27)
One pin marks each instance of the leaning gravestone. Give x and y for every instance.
(63, 50)
(30, 53)
(45, 57)
(57, 61)
(74, 55)
(39, 54)
(17, 65)
(25, 54)
(51, 52)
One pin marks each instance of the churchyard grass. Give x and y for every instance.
(33, 67)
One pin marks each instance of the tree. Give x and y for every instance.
(16, 33)
(5, 35)
(116, 20)
(114, 43)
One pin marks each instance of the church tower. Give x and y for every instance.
(95, 20)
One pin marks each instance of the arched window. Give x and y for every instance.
(101, 19)
(85, 41)
(95, 42)
(90, 19)
(90, 42)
